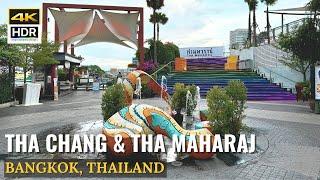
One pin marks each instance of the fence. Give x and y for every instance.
(285, 29)
(6, 82)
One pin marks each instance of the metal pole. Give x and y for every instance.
(141, 37)
(282, 22)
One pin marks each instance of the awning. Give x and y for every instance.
(100, 33)
(85, 27)
(73, 26)
(293, 11)
(124, 26)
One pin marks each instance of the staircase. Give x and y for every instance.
(206, 63)
(259, 88)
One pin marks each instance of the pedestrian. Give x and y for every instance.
(119, 78)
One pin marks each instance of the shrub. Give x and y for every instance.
(146, 92)
(178, 101)
(237, 91)
(113, 100)
(227, 106)
(148, 67)
(6, 87)
(220, 110)
(193, 103)
(306, 91)
(62, 75)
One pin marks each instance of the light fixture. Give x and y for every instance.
(67, 65)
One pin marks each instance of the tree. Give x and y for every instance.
(295, 63)
(163, 20)
(261, 37)
(10, 55)
(147, 54)
(9, 52)
(160, 50)
(304, 43)
(165, 52)
(159, 18)
(172, 52)
(254, 5)
(249, 21)
(94, 69)
(155, 5)
(43, 54)
(314, 6)
(269, 3)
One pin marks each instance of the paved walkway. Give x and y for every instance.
(289, 136)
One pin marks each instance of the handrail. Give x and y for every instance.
(166, 65)
(264, 66)
(277, 73)
(285, 27)
(291, 23)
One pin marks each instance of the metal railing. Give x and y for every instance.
(155, 74)
(285, 29)
(266, 60)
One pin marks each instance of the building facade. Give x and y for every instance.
(238, 38)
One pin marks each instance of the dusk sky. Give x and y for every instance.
(192, 23)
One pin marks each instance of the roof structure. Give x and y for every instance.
(73, 26)
(122, 25)
(85, 27)
(99, 32)
(293, 11)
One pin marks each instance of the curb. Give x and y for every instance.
(9, 104)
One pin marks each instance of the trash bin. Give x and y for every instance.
(19, 94)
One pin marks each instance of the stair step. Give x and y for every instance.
(258, 87)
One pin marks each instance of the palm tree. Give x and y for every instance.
(254, 4)
(155, 5)
(249, 22)
(159, 18)
(268, 3)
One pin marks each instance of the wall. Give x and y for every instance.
(265, 59)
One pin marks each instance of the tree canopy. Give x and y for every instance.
(165, 52)
(43, 54)
(9, 53)
(303, 43)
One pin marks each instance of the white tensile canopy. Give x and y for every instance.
(305, 8)
(100, 33)
(85, 27)
(123, 25)
(73, 26)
